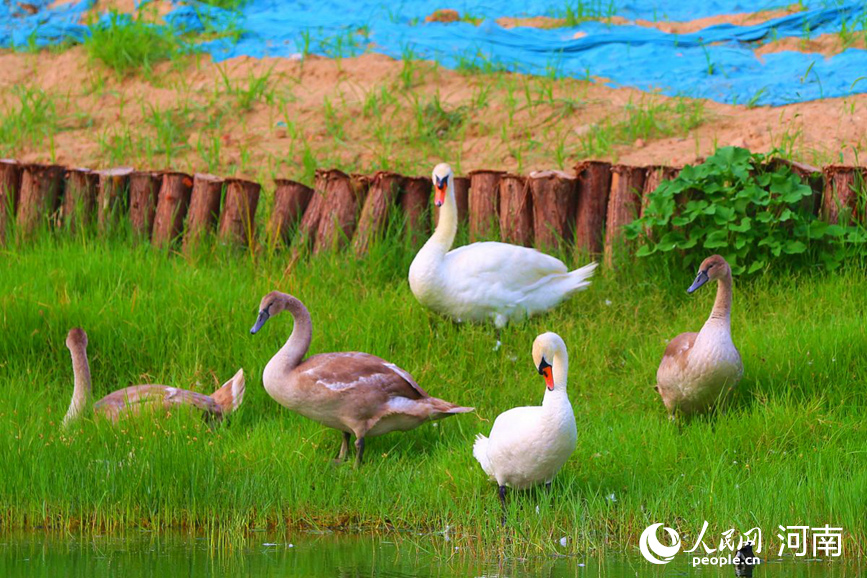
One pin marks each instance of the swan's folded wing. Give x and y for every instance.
(502, 263)
(676, 358)
(354, 370)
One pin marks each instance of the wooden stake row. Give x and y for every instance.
(160, 206)
(547, 209)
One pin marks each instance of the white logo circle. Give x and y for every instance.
(651, 547)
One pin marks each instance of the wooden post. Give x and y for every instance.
(339, 211)
(309, 225)
(144, 188)
(79, 198)
(516, 210)
(384, 189)
(10, 187)
(204, 210)
(594, 182)
(290, 200)
(174, 199)
(624, 204)
(41, 189)
(237, 223)
(483, 200)
(554, 205)
(415, 202)
(840, 195)
(112, 196)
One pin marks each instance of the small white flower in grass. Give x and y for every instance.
(291, 546)
(611, 497)
(581, 564)
(737, 486)
(608, 302)
(435, 424)
(564, 540)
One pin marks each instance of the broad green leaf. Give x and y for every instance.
(793, 247)
(755, 266)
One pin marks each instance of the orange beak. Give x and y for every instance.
(440, 195)
(549, 378)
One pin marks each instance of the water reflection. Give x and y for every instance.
(142, 555)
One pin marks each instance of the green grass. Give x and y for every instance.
(32, 120)
(132, 44)
(789, 451)
(578, 11)
(646, 121)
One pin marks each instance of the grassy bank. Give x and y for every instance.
(790, 451)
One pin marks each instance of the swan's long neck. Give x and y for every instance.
(560, 369)
(295, 348)
(81, 391)
(447, 226)
(722, 307)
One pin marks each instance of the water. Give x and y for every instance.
(146, 555)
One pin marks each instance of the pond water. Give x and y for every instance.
(147, 555)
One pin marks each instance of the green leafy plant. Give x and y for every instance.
(752, 212)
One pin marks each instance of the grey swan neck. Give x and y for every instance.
(295, 348)
(722, 307)
(82, 389)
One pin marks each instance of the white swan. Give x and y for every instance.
(698, 369)
(529, 445)
(486, 281)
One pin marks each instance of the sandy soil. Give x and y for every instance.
(325, 112)
(741, 19)
(827, 44)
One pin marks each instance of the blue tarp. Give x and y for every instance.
(716, 63)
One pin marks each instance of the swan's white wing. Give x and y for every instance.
(513, 427)
(502, 259)
(498, 274)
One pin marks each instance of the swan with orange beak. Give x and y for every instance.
(529, 445)
(490, 281)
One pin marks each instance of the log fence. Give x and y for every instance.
(585, 209)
